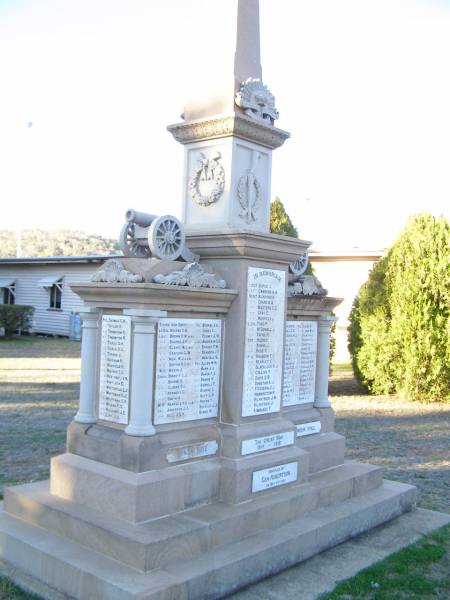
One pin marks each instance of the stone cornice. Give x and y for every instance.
(236, 125)
(155, 296)
(298, 306)
(238, 244)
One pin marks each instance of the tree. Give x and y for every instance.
(400, 321)
(280, 222)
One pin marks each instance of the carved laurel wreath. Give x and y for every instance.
(211, 170)
(248, 210)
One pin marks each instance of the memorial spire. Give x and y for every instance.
(247, 57)
(235, 58)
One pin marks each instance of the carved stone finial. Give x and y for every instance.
(207, 181)
(307, 285)
(192, 275)
(257, 101)
(114, 272)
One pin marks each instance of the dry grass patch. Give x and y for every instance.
(39, 383)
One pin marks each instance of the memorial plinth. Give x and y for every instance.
(203, 456)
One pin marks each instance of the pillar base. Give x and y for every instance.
(137, 431)
(85, 418)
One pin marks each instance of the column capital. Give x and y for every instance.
(89, 314)
(326, 322)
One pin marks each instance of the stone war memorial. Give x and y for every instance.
(203, 455)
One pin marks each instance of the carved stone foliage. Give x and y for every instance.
(114, 272)
(207, 182)
(192, 275)
(307, 285)
(257, 101)
(239, 125)
(249, 195)
(249, 191)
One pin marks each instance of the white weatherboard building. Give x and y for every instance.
(44, 283)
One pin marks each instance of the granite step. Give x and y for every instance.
(82, 573)
(187, 534)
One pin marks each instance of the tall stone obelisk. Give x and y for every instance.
(229, 135)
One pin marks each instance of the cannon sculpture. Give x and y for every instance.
(145, 236)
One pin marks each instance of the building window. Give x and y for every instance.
(53, 285)
(7, 290)
(9, 295)
(55, 295)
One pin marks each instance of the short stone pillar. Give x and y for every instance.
(323, 362)
(142, 370)
(89, 349)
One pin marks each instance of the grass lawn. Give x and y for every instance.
(39, 385)
(419, 572)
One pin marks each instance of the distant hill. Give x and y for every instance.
(55, 242)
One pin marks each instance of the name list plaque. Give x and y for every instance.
(300, 362)
(187, 369)
(115, 369)
(264, 336)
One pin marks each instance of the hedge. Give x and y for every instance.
(15, 316)
(399, 336)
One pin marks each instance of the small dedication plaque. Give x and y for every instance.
(192, 451)
(268, 442)
(300, 362)
(264, 336)
(275, 476)
(308, 428)
(115, 369)
(187, 369)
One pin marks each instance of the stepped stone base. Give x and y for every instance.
(202, 553)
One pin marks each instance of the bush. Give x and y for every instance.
(15, 316)
(399, 335)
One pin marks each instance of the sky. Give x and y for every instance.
(89, 86)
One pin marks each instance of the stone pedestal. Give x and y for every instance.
(203, 456)
(192, 482)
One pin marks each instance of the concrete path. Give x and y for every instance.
(320, 573)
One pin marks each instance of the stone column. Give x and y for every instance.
(88, 382)
(142, 370)
(323, 359)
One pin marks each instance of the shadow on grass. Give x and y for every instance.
(25, 392)
(30, 346)
(346, 386)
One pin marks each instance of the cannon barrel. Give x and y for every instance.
(140, 218)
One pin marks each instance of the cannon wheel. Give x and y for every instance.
(166, 238)
(300, 265)
(129, 245)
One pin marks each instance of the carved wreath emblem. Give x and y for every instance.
(249, 194)
(207, 182)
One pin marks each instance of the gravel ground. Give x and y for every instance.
(39, 382)
(411, 440)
